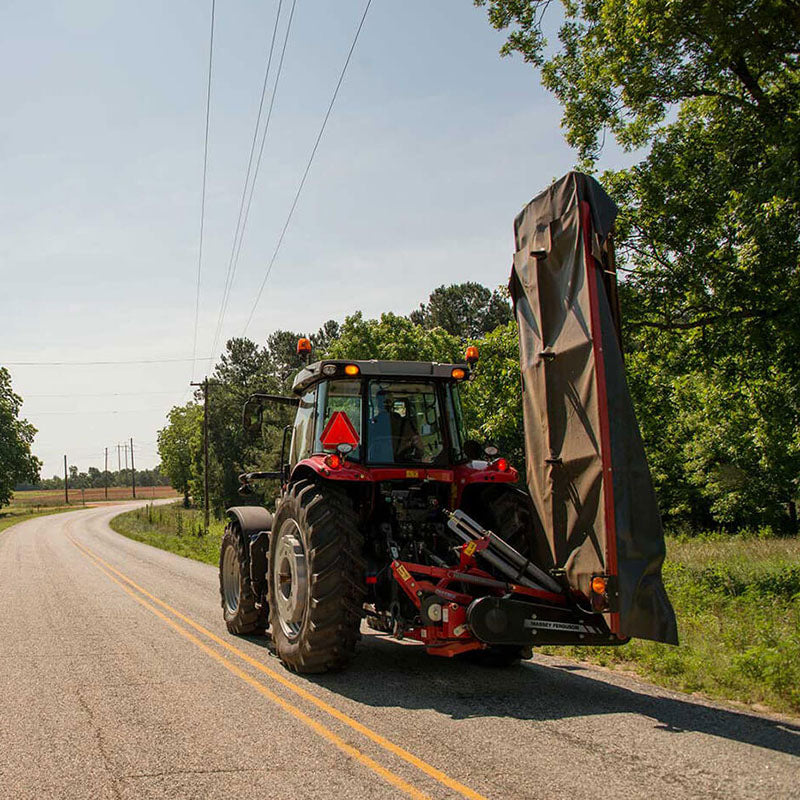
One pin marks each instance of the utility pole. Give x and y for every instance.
(66, 482)
(125, 448)
(204, 385)
(133, 471)
(119, 459)
(105, 475)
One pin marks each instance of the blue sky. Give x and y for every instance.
(434, 145)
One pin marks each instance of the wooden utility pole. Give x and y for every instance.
(119, 458)
(66, 482)
(204, 386)
(133, 471)
(105, 475)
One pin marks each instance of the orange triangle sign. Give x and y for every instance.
(339, 430)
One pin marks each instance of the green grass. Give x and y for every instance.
(12, 515)
(737, 599)
(173, 528)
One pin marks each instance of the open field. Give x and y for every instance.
(737, 599)
(55, 497)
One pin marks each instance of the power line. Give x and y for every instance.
(93, 413)
(203, 193)
(308, 167)
(96, 363)
(96, 394)
(260, 154)
(234, 258)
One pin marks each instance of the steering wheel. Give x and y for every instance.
(409, 453)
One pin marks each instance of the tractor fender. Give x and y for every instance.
(255, 524)
(251, 519)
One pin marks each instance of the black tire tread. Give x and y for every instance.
(334, 544)
(248, 617)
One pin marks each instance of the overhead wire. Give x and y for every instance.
(98, 394)
(203, 192)
(308, 168)
(238, 235)
(95, 363)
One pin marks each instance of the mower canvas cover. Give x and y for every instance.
(586, 468)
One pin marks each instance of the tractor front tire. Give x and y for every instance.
(238, 601)
(316, 578)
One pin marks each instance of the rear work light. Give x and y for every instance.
(352, 370)
(334, 460)
(329, 369)
(458, 374)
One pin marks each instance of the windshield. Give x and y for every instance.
(404, 423)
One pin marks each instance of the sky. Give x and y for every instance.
(434, 145)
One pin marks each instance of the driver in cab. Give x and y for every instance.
(392, 436)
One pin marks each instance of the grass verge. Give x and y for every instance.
(12, 515)
(174, 528)
(737, 599)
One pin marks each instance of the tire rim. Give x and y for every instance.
(230, 579)
(290, 579)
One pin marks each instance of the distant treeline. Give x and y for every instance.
(97, 479)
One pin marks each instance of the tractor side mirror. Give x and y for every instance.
(252, 418)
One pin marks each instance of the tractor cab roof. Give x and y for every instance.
(340, 368)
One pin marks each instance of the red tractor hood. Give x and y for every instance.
(586, 467)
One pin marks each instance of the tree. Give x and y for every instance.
(467, 310)
(492, 401)
(393, 338)
(709, 230)
(17, 463)
(179, 446)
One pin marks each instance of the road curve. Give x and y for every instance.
(119, 680)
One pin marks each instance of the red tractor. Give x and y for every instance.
(387, 511)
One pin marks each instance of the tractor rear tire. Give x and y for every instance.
(238, 601)
(316, 580)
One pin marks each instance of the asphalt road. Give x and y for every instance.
(118, 679)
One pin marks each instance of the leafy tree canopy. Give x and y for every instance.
(709, 229)
(179, 445)
(393, 338)
(17, 463)
(467, 310)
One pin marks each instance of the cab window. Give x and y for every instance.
(404, 424)
(303, 433)
(339, 396)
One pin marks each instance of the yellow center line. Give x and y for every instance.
(375, 737)
(326, 733)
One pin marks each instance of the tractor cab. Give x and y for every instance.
(380, 413)
(373, 421)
